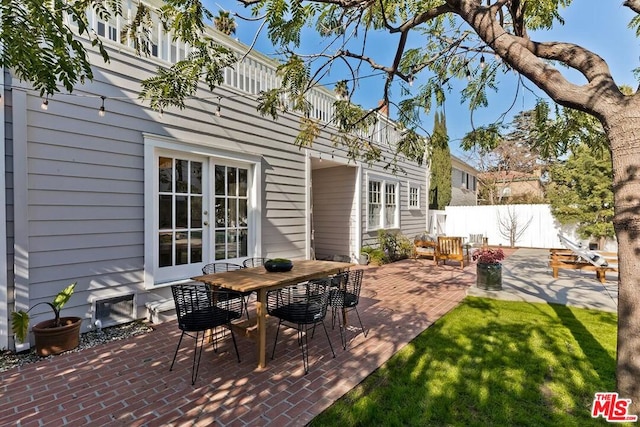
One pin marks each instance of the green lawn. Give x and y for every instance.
(491, 363)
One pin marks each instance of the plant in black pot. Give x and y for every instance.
(278, 265)
(52, 336)
(489, 268)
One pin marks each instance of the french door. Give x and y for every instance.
(202, 213)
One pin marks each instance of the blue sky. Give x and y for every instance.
(595, 24)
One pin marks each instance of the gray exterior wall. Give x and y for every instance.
(412, 221)
(461, 194)
(334, 211)
(81, 180)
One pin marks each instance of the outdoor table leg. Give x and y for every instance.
(261, 312)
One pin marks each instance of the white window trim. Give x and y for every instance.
(384, 181)
(411, 185)
(155, 144)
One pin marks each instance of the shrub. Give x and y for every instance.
(376, 256)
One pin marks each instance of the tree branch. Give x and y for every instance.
(526, 57)
(633, 5)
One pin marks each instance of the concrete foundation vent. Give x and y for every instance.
(115, 311)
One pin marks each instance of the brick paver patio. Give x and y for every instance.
(128, 383)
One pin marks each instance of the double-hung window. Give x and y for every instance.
(414, 196)
(382, 203)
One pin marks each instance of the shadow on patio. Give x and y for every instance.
(128, 382)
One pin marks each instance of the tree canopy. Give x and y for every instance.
(440, 164)
(580, 192)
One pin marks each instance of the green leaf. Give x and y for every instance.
(20, 324)
(63, 296)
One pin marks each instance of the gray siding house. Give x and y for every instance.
(464, 183)
(130, 201)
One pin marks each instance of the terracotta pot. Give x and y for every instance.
(489, 276)
(55, 340)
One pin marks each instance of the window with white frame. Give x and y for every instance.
(414, 196)
(231, 212)
(383, 209)
(468, 181)
(199, 209)
(374, 206)
(180, 224)
(390, 205)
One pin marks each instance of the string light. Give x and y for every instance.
(45, 103)
(101, 111)
(218, 112)
(468, 74)
(482, 64)
(410, 79)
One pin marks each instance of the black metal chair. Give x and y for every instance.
(300, 306)
(345, 296)
(219, 267)
(199, 309)
(253, 262)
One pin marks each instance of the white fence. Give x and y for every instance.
(535, 225)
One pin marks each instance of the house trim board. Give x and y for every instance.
(21, 207)
(4, 315)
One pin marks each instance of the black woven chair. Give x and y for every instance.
(253, 262)
(199, 309)
(300, 306)
(220, 267)
(345, 296)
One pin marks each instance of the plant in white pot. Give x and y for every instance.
(52, 336)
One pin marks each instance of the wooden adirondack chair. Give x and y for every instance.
(449, 248)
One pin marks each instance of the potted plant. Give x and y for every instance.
(52, 336)
(489, 268)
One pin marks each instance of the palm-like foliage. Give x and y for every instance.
(20, 319)
(225, 23)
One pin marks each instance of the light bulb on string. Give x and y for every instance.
(101, 110)
(218, 111)
(45, 103)
(482, 63)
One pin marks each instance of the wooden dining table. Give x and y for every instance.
(260, 280)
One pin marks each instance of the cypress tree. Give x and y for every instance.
(440, 191)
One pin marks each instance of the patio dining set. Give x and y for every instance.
(299, 298)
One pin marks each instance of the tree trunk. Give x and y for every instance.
(623, 130)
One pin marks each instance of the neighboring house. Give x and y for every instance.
(130, 201)
(463, 183)
(503, 187)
